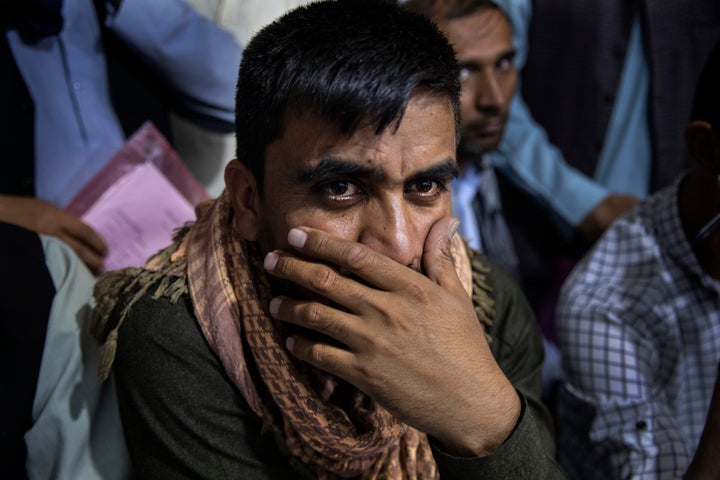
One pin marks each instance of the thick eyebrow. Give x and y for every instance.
(338, 167)
(445, 170)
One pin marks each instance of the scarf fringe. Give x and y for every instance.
(133, 283)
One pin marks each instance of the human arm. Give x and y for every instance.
(527, 157)
(196, 57)
(412, 342)
(604, 214)
(620, 354)
(43, 217)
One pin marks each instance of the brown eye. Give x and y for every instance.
(425, 186)
(338, 188)
(341, 189)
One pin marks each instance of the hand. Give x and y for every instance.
(604, 214)
(412, 342)
(43, 217)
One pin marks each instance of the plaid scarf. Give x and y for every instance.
(331, 429)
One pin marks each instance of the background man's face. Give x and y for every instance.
(384, 191)
(483, 44)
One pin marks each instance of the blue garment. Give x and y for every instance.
(76, 128)
(626, 157)
(527, 158)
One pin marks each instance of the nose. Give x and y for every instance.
(488, 93)
(390, 229)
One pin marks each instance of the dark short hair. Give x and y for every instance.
(448, 9)
(354, 63)
(706, 106)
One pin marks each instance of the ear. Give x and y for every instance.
(244, 195)
(703, 145)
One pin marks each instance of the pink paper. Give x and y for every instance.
(139, 199)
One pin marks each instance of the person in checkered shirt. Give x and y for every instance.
(639, 327)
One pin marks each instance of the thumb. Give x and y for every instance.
(438, 258)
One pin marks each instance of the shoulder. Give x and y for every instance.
(178, 405)
(155, 328)
(624, 269)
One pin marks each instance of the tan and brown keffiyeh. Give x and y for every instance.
(330, 429)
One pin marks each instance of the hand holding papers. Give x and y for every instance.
(138, 199)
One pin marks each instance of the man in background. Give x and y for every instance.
(639, 326)
(61, 119)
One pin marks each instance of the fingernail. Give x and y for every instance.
(453, 229)
(270, 261)
(274, 306)
(290, 344)
(297, 238)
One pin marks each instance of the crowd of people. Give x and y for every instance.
(457, 239)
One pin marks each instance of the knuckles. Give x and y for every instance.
(357, 256)
(324, 279)
(418, 293)
(318, 355)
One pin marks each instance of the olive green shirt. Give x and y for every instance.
(184, 418)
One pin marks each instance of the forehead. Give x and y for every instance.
(481, 36)
(424, 136)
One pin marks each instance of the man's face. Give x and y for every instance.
(384, 191)
(483, 44)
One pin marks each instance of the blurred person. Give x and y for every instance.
(321, 318)
(639, 326)
(480, 34)
(608, 82)
(59, 123)
(206, 151)
(493, 117)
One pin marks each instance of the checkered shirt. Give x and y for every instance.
(639, 329)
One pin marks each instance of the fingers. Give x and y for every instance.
(45, 218)
(88, 245)
(333, 359)
(86, 235)
(88, 256)
(326, 357)
(318, 278)
(438, 257)
(321, 318)
(360, 260)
